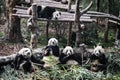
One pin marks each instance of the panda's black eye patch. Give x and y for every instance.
(99, 51)
(66, 51)
(26, 50)
(70, 51)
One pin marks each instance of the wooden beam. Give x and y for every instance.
(34, 36)
(69, 19)
(69, 34)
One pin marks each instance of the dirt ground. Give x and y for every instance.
(8, 48)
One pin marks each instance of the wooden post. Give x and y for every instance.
(69, 5)
(34, 35)
(47, 35)
(77, 24)
(69, 33)
(118, 32)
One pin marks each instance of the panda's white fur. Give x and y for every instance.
(56, 15)
(29, 22)
(98, 50)
(68, 50)
(52, 42)
(25, 52)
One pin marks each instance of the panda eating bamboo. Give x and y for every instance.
(98, 59)
(68, 56)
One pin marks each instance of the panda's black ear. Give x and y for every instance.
(72, 46)
(103, 46)
(63, 46)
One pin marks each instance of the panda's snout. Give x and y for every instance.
(56, 18)
(69, 53)
(53, 43)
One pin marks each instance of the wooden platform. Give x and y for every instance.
(65, 16)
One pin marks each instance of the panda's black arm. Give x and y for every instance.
(17, 61)
(63, 58)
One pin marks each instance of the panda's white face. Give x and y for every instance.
(68, 50)
(98, 50)
(26, 52)
(53, 42)
(56, 15)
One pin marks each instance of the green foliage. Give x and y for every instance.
(1, 6)
(114, 60)
(1, 34)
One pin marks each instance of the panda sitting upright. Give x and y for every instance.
(52, 48)
(22, 60)
(51, 51)
(98, 59)
(68, 56)
(45, 12)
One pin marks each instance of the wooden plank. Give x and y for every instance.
(60, 19)
(63, 14)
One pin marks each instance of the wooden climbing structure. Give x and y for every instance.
(70, 13)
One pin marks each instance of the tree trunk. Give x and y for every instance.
(47, 34)
(107, 24)
(106, 31)
(118, 33)
(98, 5)
(13, 31)
(34, 29)
(77, 24)
(69, 33)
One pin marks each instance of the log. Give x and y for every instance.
(5, 60)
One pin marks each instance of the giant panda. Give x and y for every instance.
(52, 48)
(98, 59)
(22, 60)
(51, 51)
(69, 57)
(45, 12)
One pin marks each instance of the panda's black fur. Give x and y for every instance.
(43, 11)
(37, 58)
(47, 12)
(21, 62)
(64, 58)
(52, 50)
